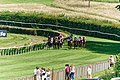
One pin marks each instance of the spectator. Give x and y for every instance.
(89, 72)
(111, 61)
(72, 69)
(67, 72)
(48, 74)
(43, 74)
(36, 74)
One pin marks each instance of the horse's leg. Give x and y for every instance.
(84, 44)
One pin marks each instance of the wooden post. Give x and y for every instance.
(35, 32)
(52, 74)
(88, 3)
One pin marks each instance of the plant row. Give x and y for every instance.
(20, 50)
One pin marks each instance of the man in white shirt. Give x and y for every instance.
(89, 72)
(37, 74)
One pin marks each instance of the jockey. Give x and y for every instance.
(61, 36)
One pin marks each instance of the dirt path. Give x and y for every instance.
(98, 10)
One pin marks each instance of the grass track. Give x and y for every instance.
(19, 40)
(22, 65)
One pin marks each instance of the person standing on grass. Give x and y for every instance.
(36, 74)
(72, 72)
(67, 72)
(43, 74)
(111, 61)
(48, 74)
(89, 72)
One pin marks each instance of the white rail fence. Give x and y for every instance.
(80, 71)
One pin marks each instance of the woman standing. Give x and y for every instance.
(72, 72)
(111, 61)
(89, 72)
(48, 74)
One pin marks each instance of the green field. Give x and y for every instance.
(19, 40)
(25, 1)
(23, 64)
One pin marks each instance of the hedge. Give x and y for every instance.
(108, 76)
(38, 32)
(62, 20)
(20, 50)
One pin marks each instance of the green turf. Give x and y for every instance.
(18, 40)
(26, 1)
(23, 65)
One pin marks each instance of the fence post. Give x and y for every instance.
(52, 74)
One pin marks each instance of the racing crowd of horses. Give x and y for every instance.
(57, 42)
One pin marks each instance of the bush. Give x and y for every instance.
(108, 75)
(117, 68)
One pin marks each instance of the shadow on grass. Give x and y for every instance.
(103, 47)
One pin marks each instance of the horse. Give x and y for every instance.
(75, 42)
(84, 42)
(70, 43)
(49, 43)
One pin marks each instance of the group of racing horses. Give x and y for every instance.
(57, 42)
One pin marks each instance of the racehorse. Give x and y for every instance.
(69, 43)
(75, 42)
(84, 42)
(49, 43)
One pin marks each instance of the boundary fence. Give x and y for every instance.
(80, 71)
(71, 30)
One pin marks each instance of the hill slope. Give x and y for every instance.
(98, 10)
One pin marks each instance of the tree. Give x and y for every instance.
(118, 7)
(89, 3)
